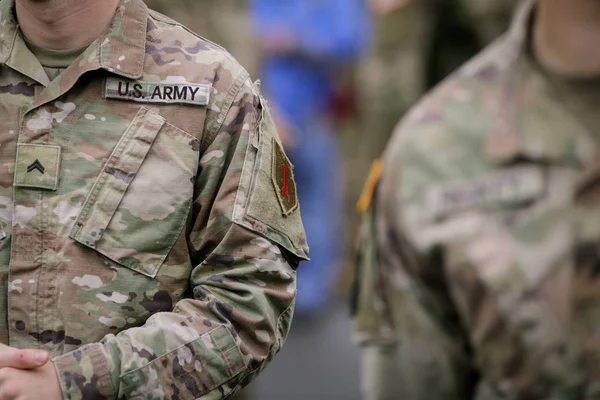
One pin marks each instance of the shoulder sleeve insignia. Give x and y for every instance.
(366, 196)
(283, 180)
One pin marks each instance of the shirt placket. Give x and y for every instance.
(9, 127)
(34, 320)
(32, 281)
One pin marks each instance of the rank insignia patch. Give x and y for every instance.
(283, 180)
(37, 166)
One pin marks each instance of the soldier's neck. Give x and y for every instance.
(567, 36)
(64, 24)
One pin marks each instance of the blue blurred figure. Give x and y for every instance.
(304, 43)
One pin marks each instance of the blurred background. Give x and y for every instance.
(338, 75)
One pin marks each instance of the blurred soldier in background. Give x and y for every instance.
(224, 22)
(416, 44)
(304, 43)
(480, 252)
(396, 73)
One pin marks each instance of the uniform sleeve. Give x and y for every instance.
(242, 288)
(413, 343)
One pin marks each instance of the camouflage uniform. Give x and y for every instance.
(222, 21)
(400, 69)
(480, 252)
(149, 224)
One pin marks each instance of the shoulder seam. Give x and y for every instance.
(164, 19)
(214, 126)
(463, 75)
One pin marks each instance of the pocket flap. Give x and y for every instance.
(110, 187)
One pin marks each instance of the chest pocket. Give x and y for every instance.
(140, 201)
(508, 255)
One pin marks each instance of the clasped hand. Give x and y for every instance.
(27, 375)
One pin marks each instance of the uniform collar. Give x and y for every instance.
(505, 142)
(121, 50)
(531, 123)
(8, 29)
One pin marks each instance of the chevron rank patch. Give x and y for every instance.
(37, 166)
(157, 92)
(283, 180)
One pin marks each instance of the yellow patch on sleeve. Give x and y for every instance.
(366, 197)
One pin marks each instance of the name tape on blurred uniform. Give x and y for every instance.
(507, 187)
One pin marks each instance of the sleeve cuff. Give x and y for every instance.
(84, 374)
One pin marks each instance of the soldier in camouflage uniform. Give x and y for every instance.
(149, 221)
(412, 49)
(480, 251)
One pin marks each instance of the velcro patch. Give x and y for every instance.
(508, 186)
(283, 180)
(37, 166)
(157, 92)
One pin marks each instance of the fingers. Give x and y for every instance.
(9, 389)
(22, 359)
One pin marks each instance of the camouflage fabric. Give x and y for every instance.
(143, 243)
(401, 67)
(479, 262)
(223, 22)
